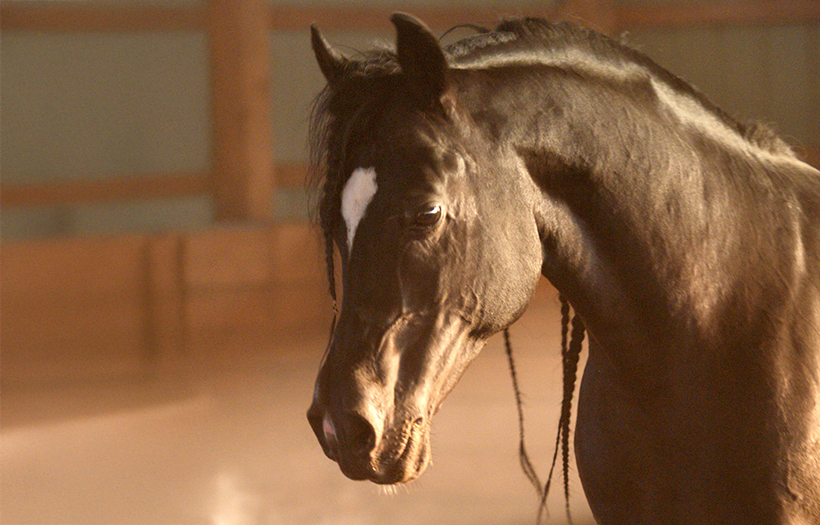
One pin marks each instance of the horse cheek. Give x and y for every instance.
(419, 277)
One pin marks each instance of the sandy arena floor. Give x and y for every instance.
(228, 444)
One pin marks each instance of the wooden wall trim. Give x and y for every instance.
(766, 12)
(49, 16)
(130, 187)
(176, 185)
(80, 295)
(352, 18)
(52, 16)
(119, 189)
(78, 16)
(132, 305)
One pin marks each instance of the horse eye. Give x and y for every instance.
(427, 216)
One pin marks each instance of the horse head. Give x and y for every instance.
(435, 259)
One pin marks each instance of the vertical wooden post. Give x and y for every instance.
(240, 83)
(164, 322)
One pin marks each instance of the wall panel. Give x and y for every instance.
(103, 307)
(754, 73)
(73, 309)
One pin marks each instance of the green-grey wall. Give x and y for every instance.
(94, 105)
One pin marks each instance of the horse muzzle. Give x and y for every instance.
(379, 387)
(367, 450)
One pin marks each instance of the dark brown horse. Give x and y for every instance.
(688, 243)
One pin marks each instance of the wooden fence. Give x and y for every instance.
(81, 308)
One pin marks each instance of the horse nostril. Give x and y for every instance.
(361, 437)
(328, 429)
(323, 428)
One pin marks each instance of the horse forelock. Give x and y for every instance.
(341, 113)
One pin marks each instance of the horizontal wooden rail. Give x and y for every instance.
(47, 16)
(142, 187)
(79, 16)
(128, 188)
(767, 12)
(65, 17)
(350, 18)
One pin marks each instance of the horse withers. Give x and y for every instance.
(689, 243)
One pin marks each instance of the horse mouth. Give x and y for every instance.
(412, 455)
(401, 456)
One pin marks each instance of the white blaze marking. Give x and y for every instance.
(356, 196)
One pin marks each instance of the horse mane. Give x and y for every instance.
(545, 38)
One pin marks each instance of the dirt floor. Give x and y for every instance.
(227, 443)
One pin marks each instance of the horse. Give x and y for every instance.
(450, 179)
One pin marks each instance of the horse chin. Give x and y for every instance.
(414, 457)
(410, 464)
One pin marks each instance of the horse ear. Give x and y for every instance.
(331, 62)
(421, 58)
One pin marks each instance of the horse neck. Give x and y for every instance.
(645, 217)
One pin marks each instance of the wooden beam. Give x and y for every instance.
(242, 135)
(130, 188)
(350, 18)
(600, 15)
(120, 189)
(51, 16)
(176, 185)
(767, 12)
(76, 16)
